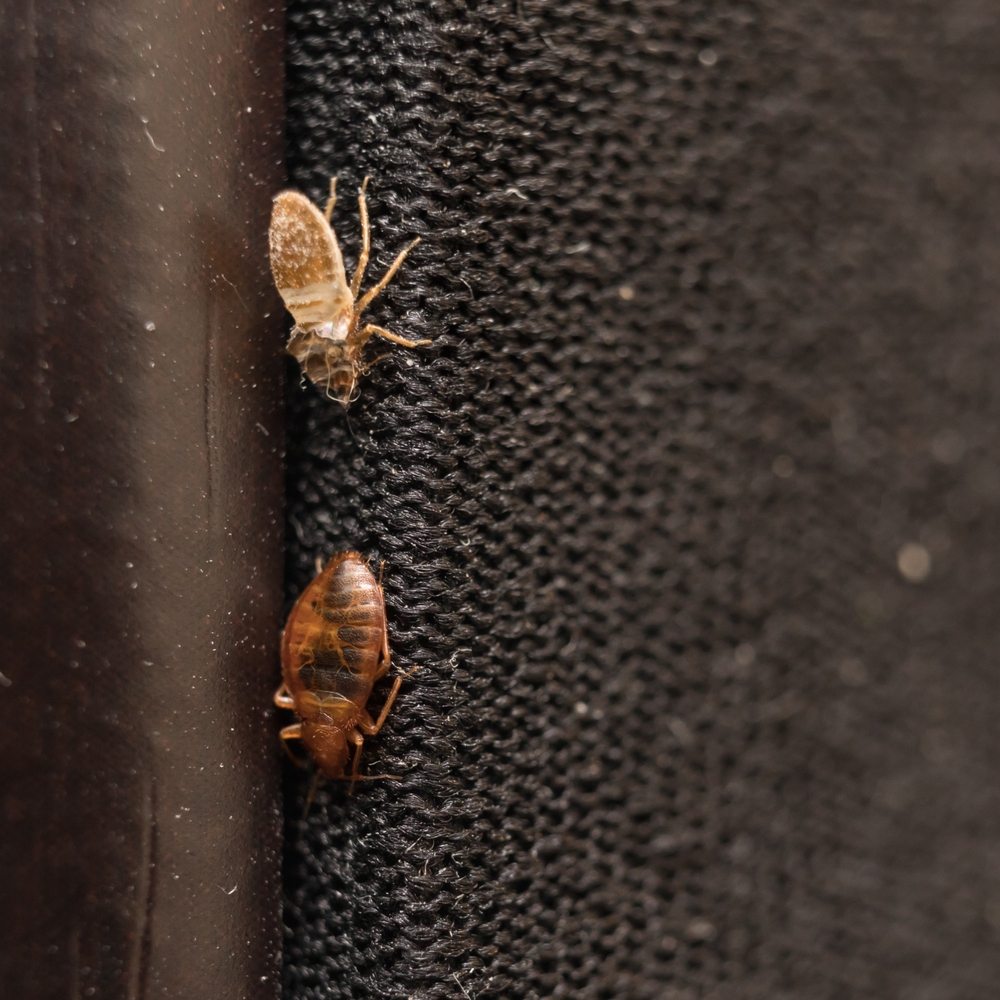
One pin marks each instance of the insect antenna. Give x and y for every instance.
(295, 760)
(350, 427)
(313, 788)
(371, 364)
(329, 376)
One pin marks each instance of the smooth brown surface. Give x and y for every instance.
(140, 500)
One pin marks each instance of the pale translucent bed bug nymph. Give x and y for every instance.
(308, 269)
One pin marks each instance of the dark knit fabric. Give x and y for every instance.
(713, 290)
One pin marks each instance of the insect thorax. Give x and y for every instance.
(331, 708)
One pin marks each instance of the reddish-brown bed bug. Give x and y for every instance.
(308, 269)
(334, 648)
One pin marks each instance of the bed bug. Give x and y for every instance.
(308, 269)
(334, 648)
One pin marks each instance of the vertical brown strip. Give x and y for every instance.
(140, 499)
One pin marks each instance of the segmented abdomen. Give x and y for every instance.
(333, 639)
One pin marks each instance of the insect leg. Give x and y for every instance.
(383, 667)
(370, 329)
(284, 700)
(332, 200)
(366, 299)
(292, 732)
(359, 741)
(366, 241)
(370, 728)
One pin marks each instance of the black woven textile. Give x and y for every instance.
(713, 290)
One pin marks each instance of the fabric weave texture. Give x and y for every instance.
(712, 294)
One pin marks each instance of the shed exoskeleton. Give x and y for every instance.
(308, 270)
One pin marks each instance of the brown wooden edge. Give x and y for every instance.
(140, 499)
